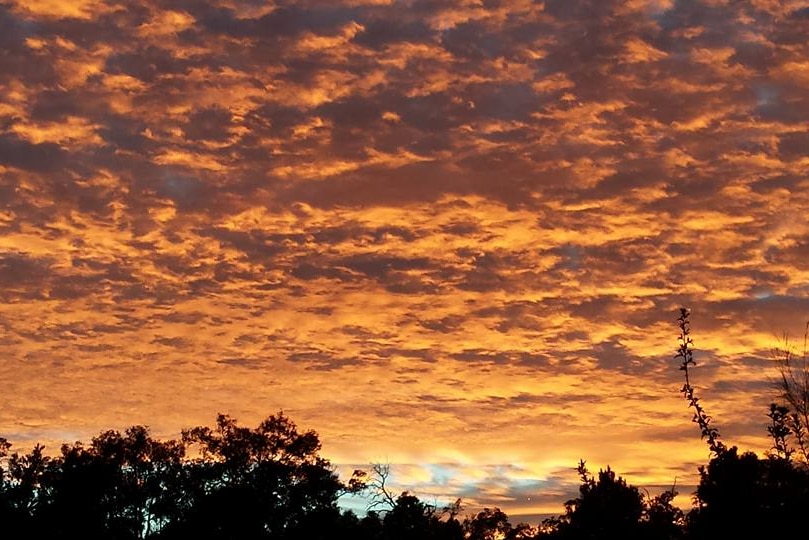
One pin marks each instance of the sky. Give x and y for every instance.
(451, 235)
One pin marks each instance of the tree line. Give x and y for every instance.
(270, 482)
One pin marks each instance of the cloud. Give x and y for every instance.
(451, 233)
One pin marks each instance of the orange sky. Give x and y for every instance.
(448, 235)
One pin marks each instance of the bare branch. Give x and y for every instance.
(701, 418)
(793, 386)
(381, 494)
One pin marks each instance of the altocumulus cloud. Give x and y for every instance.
(449, 235)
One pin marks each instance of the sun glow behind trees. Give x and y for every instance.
(458, 227)
(270, 482)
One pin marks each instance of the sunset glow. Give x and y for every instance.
(447, 235)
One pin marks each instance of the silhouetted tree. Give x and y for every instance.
(267, 482)
(270, 482)
(739, 494)
(121, 486)
(686, 356)
(22, 485)
(404, 516)
(487, 524)
(382, 498)
(662, 519)
(412, 519)
(792, 415)
(493, 524)
(606, 507)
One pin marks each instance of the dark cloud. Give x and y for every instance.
(38, 157)
(613, 356)
(381, 30)
(794, 145)
(19, 270)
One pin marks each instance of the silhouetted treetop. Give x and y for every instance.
(230, 481)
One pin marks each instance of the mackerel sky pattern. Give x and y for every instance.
(448, 235)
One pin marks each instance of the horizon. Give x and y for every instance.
(451, 236)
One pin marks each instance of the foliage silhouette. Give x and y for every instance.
(412, 519)
(267, 482)
(792, 415)
(493, 524)
(740, 494)
(405, 516)
(685, 353)
(608, 507)
(120, 486)
(270, 482)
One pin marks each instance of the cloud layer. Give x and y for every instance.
(450, 235)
